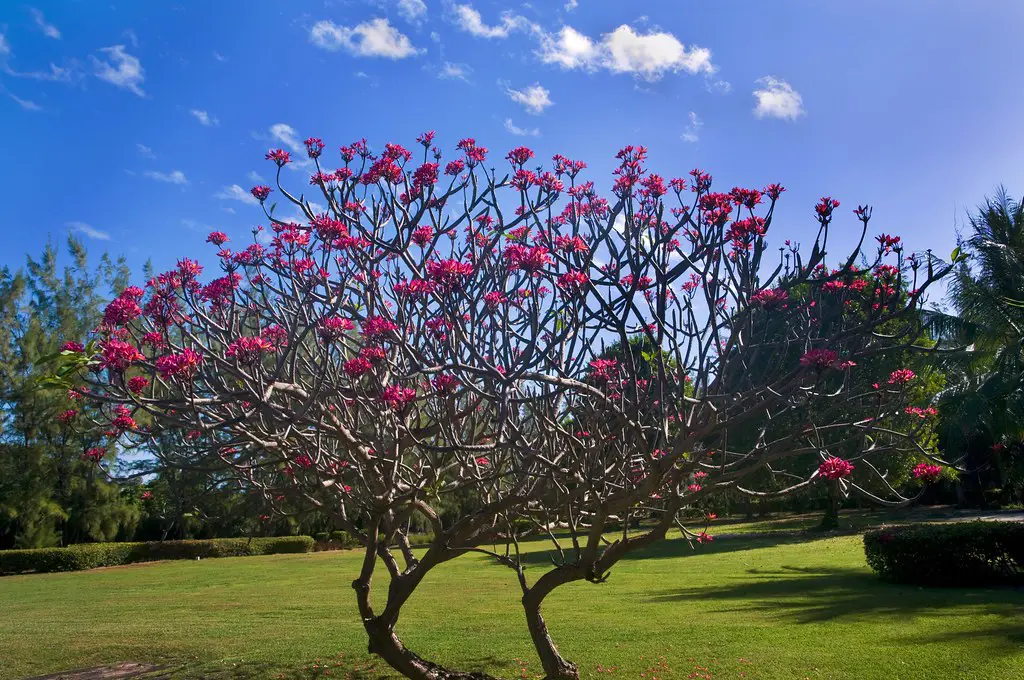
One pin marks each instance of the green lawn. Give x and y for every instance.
(786, 607)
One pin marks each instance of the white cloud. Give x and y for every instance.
(91, 232)
(229, 210)
(375, 38)
(435, 36)
(218, 56)
(692, 131)
(255, 177)
(535, 98)
(49, 30)
(56, 74)
(778, 99)
(287, 135)
(5, 47)
(649, 55)
(571, 5)
(569, 49)
(26, 104)
(172, 177)
(132, 38)
(204, 118)
(450, 71)
(236, 193)
(145, 151)
(412, 10)
(469, 20)
(123, 70)
(521, 132)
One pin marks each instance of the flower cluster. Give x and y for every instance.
(927, 473)
(835, 468)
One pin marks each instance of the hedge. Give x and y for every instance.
(957, 554)
(92, 555)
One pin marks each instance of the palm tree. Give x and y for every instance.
(982, 413)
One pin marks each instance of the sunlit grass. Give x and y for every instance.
(787, 607)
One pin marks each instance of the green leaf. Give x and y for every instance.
(955, 255)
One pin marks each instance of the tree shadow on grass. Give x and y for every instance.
(681, 547)
(817, 594)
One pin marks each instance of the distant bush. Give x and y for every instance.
(92, 555)
(960, 554)
(335, 540)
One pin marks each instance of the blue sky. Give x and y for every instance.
(131, 122)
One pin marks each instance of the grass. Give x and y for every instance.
(782, 607)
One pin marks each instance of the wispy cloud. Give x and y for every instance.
(412, 11)
(255, 177)
(534, 98)
(470, 20)
(692, 131)
(145, 151)
(374, 38)
(777, 99)
(521, 132)
(172, 177)
(218, 56)
(122, 70)
(88, 230)
(205, 118)
(236, 193)
(452, 71)
(49, 30)
(26, 104)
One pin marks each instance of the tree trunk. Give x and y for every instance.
(831, 518)
(555, 667)
(380, 630)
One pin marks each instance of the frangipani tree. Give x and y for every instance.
(440, 329)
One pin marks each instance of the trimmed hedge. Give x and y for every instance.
(958, 554)
(92, 555)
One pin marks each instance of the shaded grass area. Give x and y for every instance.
(764, 607)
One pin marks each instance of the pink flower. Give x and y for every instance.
(95, 454)
(819, 359)
(260, 192)
(573, 281)
(770, 297)
(137, 383)
(495, 299)
(154, 339)
(446, 384)
(604, 369)
(694, 488)
(72, 346)
(377, 327)
(247, 350)
(120, 311)
(704, 537)
(928, 474)
(825, 207)
(314, 145)
(279, 156)
(519, 155)
(119, 355)
(333, 327)
(217, 238)
(483, 460)
(397, 397)
(835, 468)
(421, 235)
(303, 461)
(356, 367)
(451, 274)
(183, 365)
(67, 416)
(901, 376)
(123, 419)
(921, 412)
(146, 495)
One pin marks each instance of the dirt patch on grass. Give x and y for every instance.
(120, 671)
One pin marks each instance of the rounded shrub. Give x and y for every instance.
(92, 555)
(957, 554)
